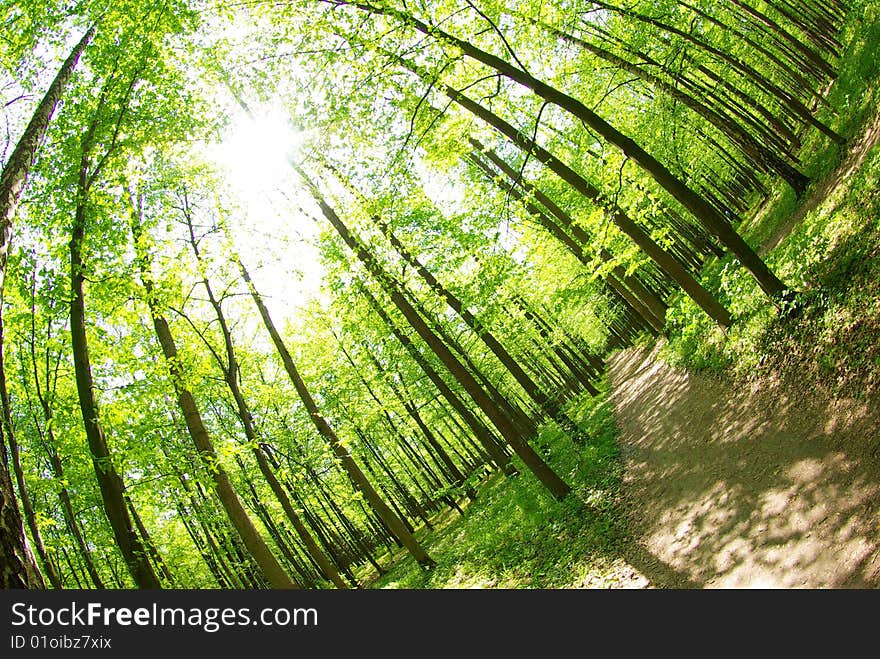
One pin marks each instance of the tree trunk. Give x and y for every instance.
(666, 262)
(486, 336)
(746, 70)
(47, 437)
(326, 431)
(148, 543)
(645, 304)
(15, 458)
(448, 468)
(15, 173)
(412, 410)
(18, 568)
(760, 156)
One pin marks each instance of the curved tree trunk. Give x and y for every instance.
(49, 444)
(363, 484)
(550, 407)
(15, 459)
(643, 301)
(665, 261)
(759, 155)
(19, 569)
(271, 569)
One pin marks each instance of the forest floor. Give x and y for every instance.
(732, 486)
(720, 459)
(765, 479)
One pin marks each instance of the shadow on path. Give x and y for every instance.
(754, 486)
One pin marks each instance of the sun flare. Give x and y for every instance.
(256, 152)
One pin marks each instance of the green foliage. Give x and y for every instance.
(516, 536)
(832, 338)
(161, 84)
(824, 248)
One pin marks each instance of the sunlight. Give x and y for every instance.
(269, 229)
(256, 153)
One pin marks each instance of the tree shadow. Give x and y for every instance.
(745, 487)
(658, 573)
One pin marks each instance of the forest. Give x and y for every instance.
(330, 294)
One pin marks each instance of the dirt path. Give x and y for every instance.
(750, 487)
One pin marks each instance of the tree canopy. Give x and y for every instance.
(282, 281)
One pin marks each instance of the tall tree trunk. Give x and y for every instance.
(76, 573)
(449, 469)
(666, 262)
(70, 519)
(412, 409)
(49, 444)
(332, 510)
(522, 378)
(363, 484)
(148, 543)
(550, 407)
(643, 302)
(480, 431)
(697, 205)
(760, 156)
(15, 173)
(788, 70)
(744, 69)
(808, 53)
(662, 258)
(510, 408)
(277, 531)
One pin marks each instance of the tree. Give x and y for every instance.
(360, 481)
(112, 487)
(256, 545)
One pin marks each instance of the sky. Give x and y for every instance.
(274, 237)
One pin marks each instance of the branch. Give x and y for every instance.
(499, 33)
(199, 333)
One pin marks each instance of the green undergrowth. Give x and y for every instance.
(824, 247)
(833, 342)
(515, 535)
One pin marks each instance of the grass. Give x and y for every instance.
(515, 535)
(829, 258)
